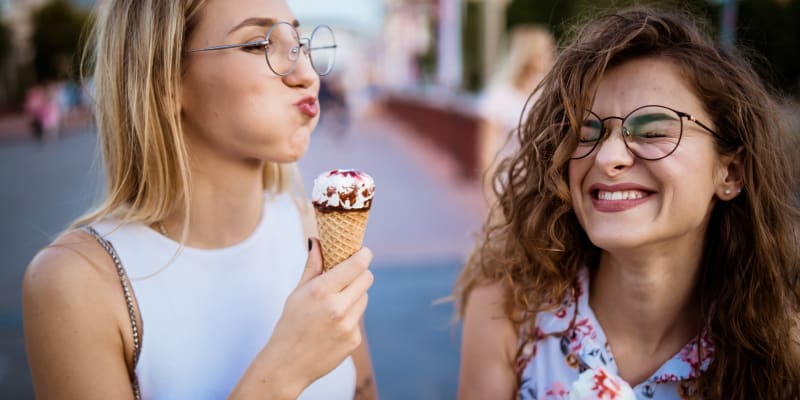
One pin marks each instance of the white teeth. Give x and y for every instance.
(623, 195)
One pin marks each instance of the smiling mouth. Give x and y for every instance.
(619, 195)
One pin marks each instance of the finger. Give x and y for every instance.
(357, 288)
(356, 312)
(313, 266)
(343, 275)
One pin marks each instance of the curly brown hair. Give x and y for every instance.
(748, 285)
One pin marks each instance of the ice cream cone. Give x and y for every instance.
(342, 201)
(340, 234)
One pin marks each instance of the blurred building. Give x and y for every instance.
(16, 14)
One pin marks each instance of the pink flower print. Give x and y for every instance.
(556, 392)
(581, 330)
(598, 384)
(667, 378)
(563, 309)
(695, 355)
(578, 290)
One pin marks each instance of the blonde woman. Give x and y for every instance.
(530, 56)
(188, 281)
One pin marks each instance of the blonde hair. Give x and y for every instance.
(524, 43)
(137, 53)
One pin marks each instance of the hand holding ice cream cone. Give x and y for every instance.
(342, 201)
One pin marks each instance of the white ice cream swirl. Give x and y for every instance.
(343, 189)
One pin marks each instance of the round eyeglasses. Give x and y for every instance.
(650, 132)
(282, 47)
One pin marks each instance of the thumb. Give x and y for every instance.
(314, 263)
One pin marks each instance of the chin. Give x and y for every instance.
(613, 239)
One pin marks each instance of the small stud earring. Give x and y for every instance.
(727, 191)
(739, 190)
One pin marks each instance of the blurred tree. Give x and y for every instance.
(6, 89)
(770, 28)
(471, 45)
(5, 43)
(553, 14)
(57, 28)
(560, 15)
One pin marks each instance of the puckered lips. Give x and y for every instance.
(619, 197)
(308, 106)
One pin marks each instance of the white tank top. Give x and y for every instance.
(209, 312)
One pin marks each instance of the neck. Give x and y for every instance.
(227, 203)
(647, 307)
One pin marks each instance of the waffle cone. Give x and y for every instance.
(340, 235)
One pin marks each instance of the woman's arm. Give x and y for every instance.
(77, 329)
(319, 327)
(366, 388)
(488, 347)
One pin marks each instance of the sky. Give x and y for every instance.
(365, 15)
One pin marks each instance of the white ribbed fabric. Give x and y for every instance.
(207, 315)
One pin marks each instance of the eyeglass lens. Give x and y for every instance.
(650, 132)
(284, 48)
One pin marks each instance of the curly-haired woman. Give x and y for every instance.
(647, 228)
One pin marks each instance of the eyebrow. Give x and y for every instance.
(259, 21)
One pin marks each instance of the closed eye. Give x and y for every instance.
(255, 45)
(651, 134)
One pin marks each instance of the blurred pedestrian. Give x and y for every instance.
(41, 105)
(501, 106)
(188, 280)
(645, 236)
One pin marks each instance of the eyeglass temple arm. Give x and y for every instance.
(702, 125)
(249, 44)
(231, 46)
(323, 47)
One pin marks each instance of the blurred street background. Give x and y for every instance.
(406, 103)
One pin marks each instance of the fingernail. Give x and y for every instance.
(310, 244)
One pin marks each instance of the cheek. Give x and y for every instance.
(576, 171)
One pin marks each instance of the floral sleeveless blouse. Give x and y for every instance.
(563, 344)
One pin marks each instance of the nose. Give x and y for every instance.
(303, 75)
(613, 156)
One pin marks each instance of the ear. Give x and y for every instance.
(731, 178)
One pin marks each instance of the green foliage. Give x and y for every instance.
(57, 29)
(471, 45)
(769, 29)
(5, 43)
(561, 15)
(553, 14)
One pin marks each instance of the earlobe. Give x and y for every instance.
(732, 175)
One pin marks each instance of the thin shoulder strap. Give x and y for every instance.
(123, 279)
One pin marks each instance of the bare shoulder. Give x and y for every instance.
(73, 310)
(491, 295)
(486, 314)
(72, 262)
(488, 346)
